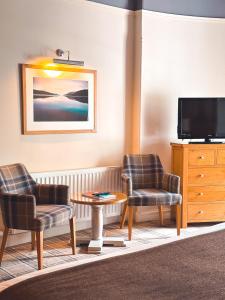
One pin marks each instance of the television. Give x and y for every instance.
(201, 118)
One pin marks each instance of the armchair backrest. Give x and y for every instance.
(146, 171)
(16, 179)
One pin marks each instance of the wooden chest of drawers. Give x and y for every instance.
(202, 171)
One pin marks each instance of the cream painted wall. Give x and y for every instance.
(139, 79)
(136, 99)
(181, 56)
(101, 36)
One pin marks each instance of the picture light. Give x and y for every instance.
(61, 53)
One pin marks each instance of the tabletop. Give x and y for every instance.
(120, 197)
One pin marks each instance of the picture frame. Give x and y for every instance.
(58, 100)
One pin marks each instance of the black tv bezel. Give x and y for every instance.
(207, 139)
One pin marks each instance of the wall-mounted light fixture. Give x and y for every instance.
(61, 53)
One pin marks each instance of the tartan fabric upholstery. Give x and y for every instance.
(52, 194)
(29, 206)
(126, 184)
(171, 183)
(146, 183)
(146, 171)
(21, 212)
(148, 197)
(15, 179)
(52, 215)
(18, 211)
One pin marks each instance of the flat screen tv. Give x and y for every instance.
(201, 118)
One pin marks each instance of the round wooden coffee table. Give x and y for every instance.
(97, 240)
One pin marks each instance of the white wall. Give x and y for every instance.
(171, 56)
(181, 56)
(100, 35)
(139, 79)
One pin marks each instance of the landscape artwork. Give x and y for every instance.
(60, 100)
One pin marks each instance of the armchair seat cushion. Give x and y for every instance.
(148, 197)
(52, 215)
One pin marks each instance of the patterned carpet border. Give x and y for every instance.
(121, 251)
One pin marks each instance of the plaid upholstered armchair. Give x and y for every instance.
(27, 205)
(146, 184)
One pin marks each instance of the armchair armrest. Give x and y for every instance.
(171, 183)
(127, 186)
(52, 194)
(18, 211)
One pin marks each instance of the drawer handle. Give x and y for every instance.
(200, 194)
(202, 157)
(201, 175)
(200, 212)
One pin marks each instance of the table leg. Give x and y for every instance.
(96, 243)
(97, 222)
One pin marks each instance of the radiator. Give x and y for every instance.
(82, 180)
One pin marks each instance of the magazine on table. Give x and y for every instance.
(99, 195)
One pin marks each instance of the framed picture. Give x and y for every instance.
(58, 100)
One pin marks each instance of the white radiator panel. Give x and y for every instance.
(82, 180)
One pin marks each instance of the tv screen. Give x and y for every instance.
(201, 118)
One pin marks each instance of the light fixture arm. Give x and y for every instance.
(61, 53)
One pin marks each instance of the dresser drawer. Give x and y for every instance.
(220, 157)
(206, 176)
(201, 157)
(206, 212)
(206, 193)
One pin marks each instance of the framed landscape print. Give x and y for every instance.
(58, 100)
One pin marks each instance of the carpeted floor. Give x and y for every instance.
(20, 260)
(187, 269)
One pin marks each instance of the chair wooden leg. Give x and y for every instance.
(130, 222)
(124, 214)
(161, 214)
(178, 218)
(73, 235)
(4, 239)
(39, 239)
(33, 240)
